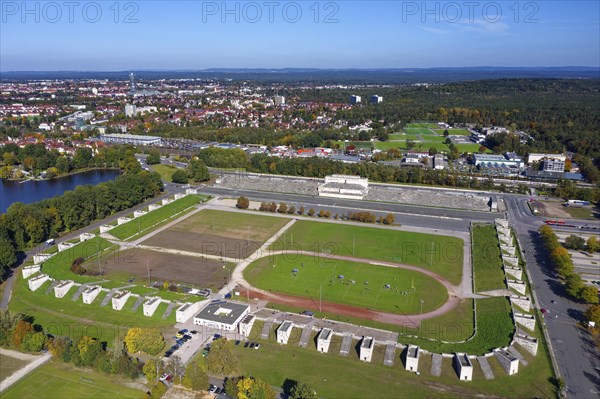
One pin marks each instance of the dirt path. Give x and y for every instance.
(22, 372)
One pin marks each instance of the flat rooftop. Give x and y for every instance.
(247, 319)
(506, 355)
(325, 334)
(89, 290)
(412, 351)
(184, 307)
(464, 360)
(152, 300)
(367, 342)
(347, 186)
(64, 283)
(286, 325)
(121, 294)
(223, 312)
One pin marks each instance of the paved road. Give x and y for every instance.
(577, 360)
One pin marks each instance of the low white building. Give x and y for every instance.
(106, 227)
(90, 293)
(324, 340)
(63, 246)
(284, 331)
(166, 201)
(344, 186)
(137, 214)
(366, 349)
(222, 315)
(119, 300)
(150, 305)
(412, 358)
(187, 311)
(40, 258)
(191, 191)
(507, 360)
(61, 289)
(179, 196)
(123, 220)
(85, 236)
(153, 207)
(28, 271)
(37, 281)
(246, 325)
(463, 366)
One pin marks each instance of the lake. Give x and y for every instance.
(32, 191)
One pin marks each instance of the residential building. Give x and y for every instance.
(355, 99)
(376, 99)
(279, 100)
(130, 110)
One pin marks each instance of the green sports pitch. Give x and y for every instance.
(440, 254)
(55, 381)
(375, 287)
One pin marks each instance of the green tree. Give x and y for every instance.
(59, 347)
(89, 351)
(254, 388)
(198, 170)
(151, 370)
(221, 359)
(195, 378)
(8, 255)
(179, 176)
(8, 322)
(589, 294)
(34, 342)
(433, 151)
(574, 242)
(242, 203)
(593, 245)
(301, 390)
(410, 144)
(153, 158)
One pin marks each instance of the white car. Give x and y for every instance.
(212, 389)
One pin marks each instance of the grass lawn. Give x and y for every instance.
(419, 130)
(9, 365)
(440, 254)
(357, 144)
(494, 329)
(151, 219)
(275, 274)
(402, 137)
(334, 376)
(487, 262)
(453, 132)
(165, 171)
(58, 266)
(581, 213)
(469, 147)
(386, 145)
(425, 125)
(58, 380)
(74, 318)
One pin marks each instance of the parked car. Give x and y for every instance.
(257, 346)
(252, 345)
(212, 389)
(246, 344)
(237, 342)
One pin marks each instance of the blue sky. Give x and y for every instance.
(278, 34)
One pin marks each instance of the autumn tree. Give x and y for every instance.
(221, 359)
(242, 203)
(588, 294)
(20, 332)
(574, 242)
(389, 219)
(593, 314)
(59, 348)
(151, 370)
(592, 244)
(283, 208)
(254, 388)
(149, 340)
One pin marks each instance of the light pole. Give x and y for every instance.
(148, 267)
(422, 306)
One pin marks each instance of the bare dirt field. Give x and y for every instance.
(245, 226)
(163, 267)
(204, 244)
(555, 209)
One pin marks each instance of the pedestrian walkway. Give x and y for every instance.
(390, 354)
(485, 367)
(436, 364)
(36, 361)
(346, 343)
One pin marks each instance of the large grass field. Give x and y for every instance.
(57, 380)
(419, 130)
(440, 254)
(144, 223)
(487, 261)
(165, 171)
(494, 329)
(362, 285)
(334, 376)
(9, 365)
(425, 125)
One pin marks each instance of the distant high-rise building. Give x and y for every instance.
(355, 99)
(130, 110)
(376, 99)
(279, 100)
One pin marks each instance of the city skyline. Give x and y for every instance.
(46, 36)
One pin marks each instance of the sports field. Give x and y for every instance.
(62, 381)
(487, 262)
(441, 254)
(426, 125)
(419, 130)
(453, 132)
(345, 282)
(229, 234)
